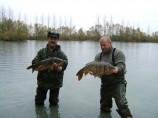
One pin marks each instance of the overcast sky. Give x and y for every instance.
(84, 13)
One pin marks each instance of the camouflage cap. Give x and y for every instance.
(53, 34)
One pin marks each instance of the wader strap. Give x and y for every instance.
(113, 60)
(101, 56)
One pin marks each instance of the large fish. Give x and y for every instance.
(98, 69)
(47, 63)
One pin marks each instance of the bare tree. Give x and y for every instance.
(36, 27)
(42, 20)
(48, 22)
(104, 25)
(25, 18)
(111, 26)
(65, 23)
(36, 19)
(70, 26)
(148, 31)
(98, 25)
(10, 14)
(60, 25)
(54, 23)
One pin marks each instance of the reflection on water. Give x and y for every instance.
(43, 112)
(54, 112)
(105, 115)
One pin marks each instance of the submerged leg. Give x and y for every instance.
(121, 101)
(40, 96)
(54, 96)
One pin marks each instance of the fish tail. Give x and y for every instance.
(80, 77)
(80, 74)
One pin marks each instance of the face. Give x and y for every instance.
(105, 45)
(52, 42)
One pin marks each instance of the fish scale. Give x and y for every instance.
(98, 69)
(47, 63)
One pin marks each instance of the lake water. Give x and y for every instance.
(78, 99)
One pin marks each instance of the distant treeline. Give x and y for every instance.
(11, 30)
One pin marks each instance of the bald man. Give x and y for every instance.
(113, 84)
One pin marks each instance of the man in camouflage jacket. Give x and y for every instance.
(50, 79)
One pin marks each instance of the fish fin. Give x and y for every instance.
(90, 62)
(100, 75)
(95, 76)
(33, 70)
(85, 73)
(61, 63)
(29, 67)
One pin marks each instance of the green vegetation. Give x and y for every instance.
(11, 30)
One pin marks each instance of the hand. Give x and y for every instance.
(56, 67)
(109, 72)
(40, 68)
(115, 70)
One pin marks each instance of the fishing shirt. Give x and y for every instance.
(119, 61)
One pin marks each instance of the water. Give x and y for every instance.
(78, 99)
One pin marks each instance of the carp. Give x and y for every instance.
(98, 69)
(47, 63)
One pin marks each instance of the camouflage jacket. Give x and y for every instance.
(50, 79)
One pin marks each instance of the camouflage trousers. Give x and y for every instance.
(116, 90)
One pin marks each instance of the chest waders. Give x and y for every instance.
(106, 100)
